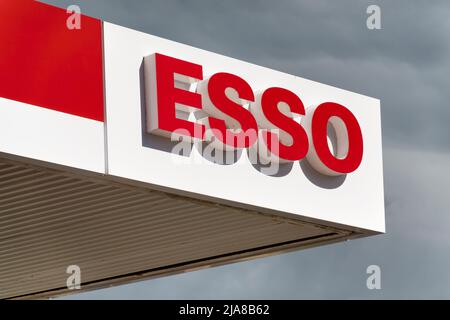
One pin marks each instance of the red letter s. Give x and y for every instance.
(231, 123)
(290, 143)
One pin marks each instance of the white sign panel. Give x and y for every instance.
(308, 149)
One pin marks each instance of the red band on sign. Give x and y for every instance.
(44, 63)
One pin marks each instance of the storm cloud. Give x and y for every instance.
(405, 64)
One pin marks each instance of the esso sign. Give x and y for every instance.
(237, 118)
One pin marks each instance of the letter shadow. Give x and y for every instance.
(320, 180)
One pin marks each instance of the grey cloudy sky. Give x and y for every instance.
(406, 65)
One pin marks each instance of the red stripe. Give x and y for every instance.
(44, 63)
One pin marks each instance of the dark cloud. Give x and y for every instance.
(413, 254)
(405, 65)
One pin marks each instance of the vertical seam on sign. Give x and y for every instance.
(105, 118)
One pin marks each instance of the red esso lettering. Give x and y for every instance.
(232, 126)
(349, 150)
(165, 98)
(281, 138)
(236, 119)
